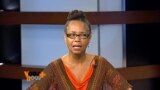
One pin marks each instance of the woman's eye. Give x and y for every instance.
(73, 34)
(84, 34)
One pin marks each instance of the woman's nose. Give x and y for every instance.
(77, 38)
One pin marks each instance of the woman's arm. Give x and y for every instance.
(115, 79)
(45, 82)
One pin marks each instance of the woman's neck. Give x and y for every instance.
(76, 59)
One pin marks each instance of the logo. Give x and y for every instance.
(32, 75)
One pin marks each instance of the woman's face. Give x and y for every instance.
(77, 37)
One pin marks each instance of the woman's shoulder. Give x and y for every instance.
(51, 65)
(95, 55)
(98, 57)
(53, 62)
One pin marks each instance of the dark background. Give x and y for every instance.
(10, 46)
(142, 43)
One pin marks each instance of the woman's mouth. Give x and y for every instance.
(77, 47)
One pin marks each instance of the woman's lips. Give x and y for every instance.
(77, 47)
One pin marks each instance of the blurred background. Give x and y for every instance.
(124, 45)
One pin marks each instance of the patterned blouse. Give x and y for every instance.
(104, 77)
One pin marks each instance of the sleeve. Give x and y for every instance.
(45, 82)
(114, 78)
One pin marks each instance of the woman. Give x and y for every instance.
(78, 70)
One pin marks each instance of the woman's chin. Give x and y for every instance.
(77, 52)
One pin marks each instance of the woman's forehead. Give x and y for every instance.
(76, 25)
(82, 32)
